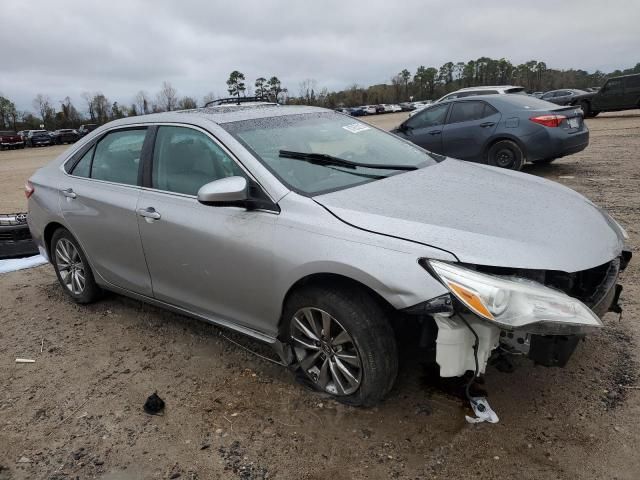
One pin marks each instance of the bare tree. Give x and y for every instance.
(69, 114)
(167, 97)
(42, 104)
(88, 97)
(308, 90)
(187, 103)
(101, 107)
(142, 103)
(210, 97)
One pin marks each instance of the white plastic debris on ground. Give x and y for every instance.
(483, 411)
(13, 264)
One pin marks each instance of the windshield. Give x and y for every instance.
(330, 134)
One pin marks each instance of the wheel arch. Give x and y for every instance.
(328, 279)
(49, 230)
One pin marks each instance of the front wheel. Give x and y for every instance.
(505, 154)
(72, 268)
(343, 343)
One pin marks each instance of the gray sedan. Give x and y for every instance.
(318, 234)
(501, 130)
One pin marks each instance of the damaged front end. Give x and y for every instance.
(539, 313)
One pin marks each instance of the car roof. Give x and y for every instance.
(222, 114)
(487, 87)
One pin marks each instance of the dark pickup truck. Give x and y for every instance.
(9, 139)
(618, 93)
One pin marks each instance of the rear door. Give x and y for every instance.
(470, 125)
(98, 200)
(632, 91)
(610, 96)
(425, 128)
(210, 260)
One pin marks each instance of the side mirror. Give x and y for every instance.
(224, 192)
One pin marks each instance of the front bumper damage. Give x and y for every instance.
(465, 342)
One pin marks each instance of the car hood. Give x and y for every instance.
(483, 215)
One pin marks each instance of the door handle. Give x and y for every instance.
(149, 213)
(435, 132)
(69, 193)
(487, 124)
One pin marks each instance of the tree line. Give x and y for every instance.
(425, 83)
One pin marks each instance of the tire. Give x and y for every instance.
(361, 341)
(65, 251)
(505, 154)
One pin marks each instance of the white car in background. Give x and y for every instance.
(485, 90)
(369, 109)
(420, 106)
(391, 108)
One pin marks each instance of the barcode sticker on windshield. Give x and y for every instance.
(356, 127)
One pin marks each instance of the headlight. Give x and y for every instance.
(624, 233)
(515, 302)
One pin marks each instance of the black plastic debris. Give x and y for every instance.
(154, 404)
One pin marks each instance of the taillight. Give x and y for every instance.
(28, 189)
(549, 120)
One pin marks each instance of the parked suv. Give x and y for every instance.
(320, 234)
(470, 91)
(86, 129)
(66, 135)
(38, 138)
(618, 93)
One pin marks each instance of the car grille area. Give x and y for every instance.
(15, 237)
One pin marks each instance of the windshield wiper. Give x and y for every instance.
(324, 159)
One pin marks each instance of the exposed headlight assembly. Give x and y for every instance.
(515, 303)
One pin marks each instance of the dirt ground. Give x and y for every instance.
(77, 411)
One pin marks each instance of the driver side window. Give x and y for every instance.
(429, 117)
(185, 159)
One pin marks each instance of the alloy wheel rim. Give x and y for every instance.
(70, 266)
(325, 351)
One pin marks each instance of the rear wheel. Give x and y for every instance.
(343, 343)
(505, 154)
(72, 268)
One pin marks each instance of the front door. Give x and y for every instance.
(98, 201)
(425, 128)
(213, 261)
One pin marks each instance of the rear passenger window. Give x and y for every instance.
(83, 167)
(117, 157)
(632, 82)
(185, 159)
(468, 111)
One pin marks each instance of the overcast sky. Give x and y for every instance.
(65, 47)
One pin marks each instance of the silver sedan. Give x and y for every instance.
(319, 235)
